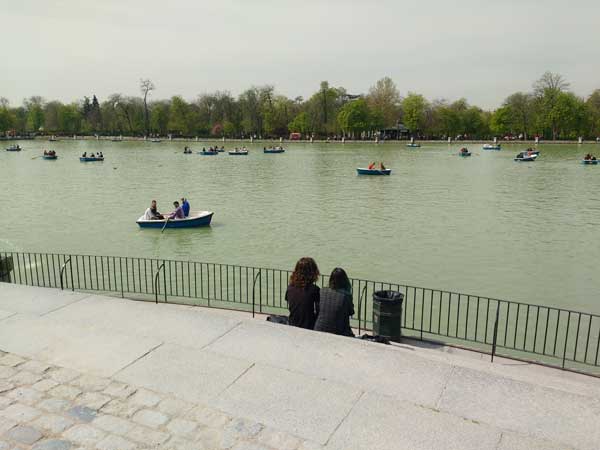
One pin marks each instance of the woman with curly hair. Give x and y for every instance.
(302, 294)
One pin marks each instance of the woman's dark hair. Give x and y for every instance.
(338, 280)
(305, 273)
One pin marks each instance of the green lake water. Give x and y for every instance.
(484, 225)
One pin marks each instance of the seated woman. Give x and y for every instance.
(302, 294)
(371, 166)
(335, 305)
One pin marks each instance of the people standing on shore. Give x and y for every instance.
(335, 305)
(302, 294)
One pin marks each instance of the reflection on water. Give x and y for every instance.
(484, 224)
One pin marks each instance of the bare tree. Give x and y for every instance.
(146, 85)
(552, 82)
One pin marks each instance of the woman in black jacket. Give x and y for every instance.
(302, 294)
(335, 306)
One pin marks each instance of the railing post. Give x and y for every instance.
(62, 269)
(566, 340)
(156, 274)
(256, 277)
(495, 331)
(360, 299)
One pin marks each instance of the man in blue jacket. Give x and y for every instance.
(185, 205)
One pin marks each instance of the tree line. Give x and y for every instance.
(549, 110)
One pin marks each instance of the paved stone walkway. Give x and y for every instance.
(45, 407)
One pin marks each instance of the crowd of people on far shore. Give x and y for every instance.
(181, 211)
(328, 309)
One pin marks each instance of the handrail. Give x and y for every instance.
(162, 266)
(360, 298)
(257, 276)
(495, 338)
(62, 269)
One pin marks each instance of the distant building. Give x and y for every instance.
(349, 97)
(396, 133)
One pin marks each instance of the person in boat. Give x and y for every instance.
(371, 166)
(588, 157)
(335, 305)
(222, 148)
(203, 149)
(264, 148)
(302, 294)
(100, 155)
(84, 155)
(178, 213)
(92, 156)
(381, 166)
(45, 153)
(185, 149)
(152, 212)
(185, 205)
(464, 150)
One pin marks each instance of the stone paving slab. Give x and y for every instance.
(523, 407)
(4, 314)
(187, 373)
(98, 353)
(381, 368)
(298, 404)
(187, 326)
(379, 423)
(34, 300)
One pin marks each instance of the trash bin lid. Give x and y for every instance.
(388, 296)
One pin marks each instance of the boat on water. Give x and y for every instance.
(208, 152)
(366, 171)
(591, 162)
(464, 152)
(50, 157)
(116, 140)
(155, 140)
(492, 147)
(238, 152)
(14, 148)
(187, 152)
(91, 158)
(194, 220)
(273, 150)
(52, 139)
(413, 145)
(525, 157)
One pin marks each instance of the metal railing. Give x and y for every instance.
(559, 337)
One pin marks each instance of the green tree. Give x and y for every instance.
(384, 100)
(414, 107)
(179, 116)
(7, 118)
(520, 107)
(35, 113)
(300, 124)
(355, 117)
(159, 117)
(593, 113)
(502, 121)
(547, 92)
(69, 118)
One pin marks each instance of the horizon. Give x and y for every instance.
(195, 51)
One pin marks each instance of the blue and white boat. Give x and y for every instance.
(591, 162)
(413, 145)
(363, 171)
(208, 152)
(525, 157)
(238, 152)
(492, 147)
(194, 220)
(464, 152)
(50, 157)
(14, 148)
(91, 158)
(273, 150)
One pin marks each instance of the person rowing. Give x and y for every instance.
(178, 213)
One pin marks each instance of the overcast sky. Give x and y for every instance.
(479, 49)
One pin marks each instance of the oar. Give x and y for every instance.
(36, 157)
(165, 225)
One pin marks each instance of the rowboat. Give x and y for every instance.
(208, 152)
(14, 148)
(363, 171)
(591, 162)
(273, 150)
(196, 219)
(52, 139)
(238, 152)
(187, 153)
(91, 159)
(492, 147)
(50, 157)
(220, 150)
(524, 157)
(155, 140)
(467, 153)
(413, 145)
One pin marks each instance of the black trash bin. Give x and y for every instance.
(6, 267)
(387, 314)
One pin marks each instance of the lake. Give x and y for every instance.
(484, 225)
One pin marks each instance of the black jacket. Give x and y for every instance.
(335, 309)
(304, 305)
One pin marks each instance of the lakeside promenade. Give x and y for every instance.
(82, 371)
